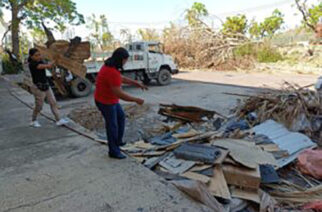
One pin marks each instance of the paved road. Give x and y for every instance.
(54, 169)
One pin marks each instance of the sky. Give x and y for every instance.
(135, 14)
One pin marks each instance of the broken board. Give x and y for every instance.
(242, 176)
(218, 184)
(247, 155)
(196, 176)
(246, 194)
(176, 166)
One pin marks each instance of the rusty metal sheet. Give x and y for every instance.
(185, 113)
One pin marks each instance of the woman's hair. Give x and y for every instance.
(32, 51)
(116, 60)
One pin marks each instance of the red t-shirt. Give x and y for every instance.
(107, 78)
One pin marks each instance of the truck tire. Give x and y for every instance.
(80, 87)
(164, 77)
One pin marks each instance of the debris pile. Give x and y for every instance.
(88, 117)
(205, 48)
(298, 108)
(229, 164)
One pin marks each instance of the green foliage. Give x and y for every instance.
(195, 13)
(310, 14)
(267, 54)
(58, 11)
(255, 29)
(245, 50)
(272, 23)
(263, 53)
(100, 35)
(38, 35)
(149, 34)
(1, 17)
(268, 27)
(32, 12)
(315, 12)
(7, 66)
(235, 24)
(25, 44)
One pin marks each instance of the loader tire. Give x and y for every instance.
(146, 80)
(164, 77)
(81, 87)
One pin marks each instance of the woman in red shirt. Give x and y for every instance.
(107, 94)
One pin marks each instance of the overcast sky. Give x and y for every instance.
(134, 14)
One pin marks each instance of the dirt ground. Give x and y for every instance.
(189, 88)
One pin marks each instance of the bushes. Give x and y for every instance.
(268, 55)
(8, 67)
(263, 53)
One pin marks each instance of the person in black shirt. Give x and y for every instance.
(41, 88)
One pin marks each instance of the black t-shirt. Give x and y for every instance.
(38, 75)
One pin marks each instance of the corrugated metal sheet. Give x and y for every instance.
(292, 142)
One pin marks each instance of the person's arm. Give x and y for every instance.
(45, 66)
(129, 81)
(126, 97)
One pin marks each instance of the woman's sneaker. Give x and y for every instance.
(62, 122)
(35, 124)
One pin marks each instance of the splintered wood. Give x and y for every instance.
(218, 184)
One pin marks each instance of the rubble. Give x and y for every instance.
(246, 165)
(297, 108)
(244, 159)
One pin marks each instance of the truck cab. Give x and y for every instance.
(147, 62)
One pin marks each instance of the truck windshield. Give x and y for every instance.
(155, 49)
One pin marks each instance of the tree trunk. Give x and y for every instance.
(15, 30)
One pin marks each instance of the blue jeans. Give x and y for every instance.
(114, 123)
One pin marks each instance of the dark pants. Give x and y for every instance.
(114, 123)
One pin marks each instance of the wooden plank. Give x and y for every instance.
(269, 147)
(218, 184)
(246, 194)
(248, 155)
(189, 134)
(148, 154)
(140, 159)
(241, 176)
(143, 145)
(75, 67)
(196, 176)
(152, 162)
(200, 168)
